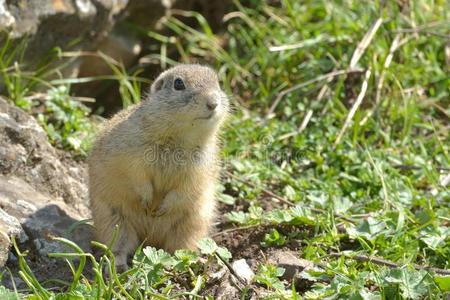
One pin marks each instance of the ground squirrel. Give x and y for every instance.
(154, 166)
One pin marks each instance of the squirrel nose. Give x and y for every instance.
(211, 104)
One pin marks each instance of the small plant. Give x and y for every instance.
(268, 275)
(273, 238)
(17, 81)
(154, 273)
(66, 121)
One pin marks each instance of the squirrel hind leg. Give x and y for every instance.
(185, 234)
(125, 245)
(106, 221)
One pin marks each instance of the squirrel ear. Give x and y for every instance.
(157, 85)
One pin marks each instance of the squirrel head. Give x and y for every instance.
(188, 98)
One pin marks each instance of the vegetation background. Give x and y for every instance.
(337, 150)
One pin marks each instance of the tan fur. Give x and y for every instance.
(154, 166)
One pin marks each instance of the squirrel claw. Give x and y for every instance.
(158, 212)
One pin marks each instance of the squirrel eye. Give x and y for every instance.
(178, 84)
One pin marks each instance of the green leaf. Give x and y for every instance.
(434, 237)
(273, 238)
(74, 142)
(185, 259)
(227, 199)
(224, 253)
(158, 256)
(290, 192)
(443, 282)
(318, 197)
(207, 246)
(185, 254)
(279, 216)
(239, 217)
(268, 275)
(6, 294)
(369, 229)
(367, 295)
(413, 284)
(315, 274)
(342, 204)
(302, 216)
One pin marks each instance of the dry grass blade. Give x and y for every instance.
(387, 62)
(306, 83)
(300, 129)
(441, 109)
(305, 121)
(387, 263)
(308, 43)
(297, 45)
(44, 96)
(355, 107)
(364, 43)
(396, 44)
(307, 117)
(269, 11)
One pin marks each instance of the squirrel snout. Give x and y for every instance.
(211, 103)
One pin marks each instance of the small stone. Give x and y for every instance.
(445, 180)
(85, 8)
(243, 270)
(4, 246)
(219, 274)
(289, 261)
(6, 19)
(12, 257)
(226, 291)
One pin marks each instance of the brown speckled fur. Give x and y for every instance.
(166, 203)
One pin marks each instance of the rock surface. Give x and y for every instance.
(26, 153)
(42, 193)
(32, 216)
(226, 291)
(6, 19)
(291, 263)
(48, 24)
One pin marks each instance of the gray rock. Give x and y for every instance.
(6, 19)
(11, 226)
(48, 24)
(28, 213)
(291, 263)
(5, 243)
(226, 290)
(243, 270)
(26, 153)
(146, 13)
(42, 193)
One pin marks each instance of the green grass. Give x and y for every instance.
(361, 180)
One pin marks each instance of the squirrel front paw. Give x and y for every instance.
(145, 192)
(160, 211)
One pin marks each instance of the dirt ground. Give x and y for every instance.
(242, 243)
